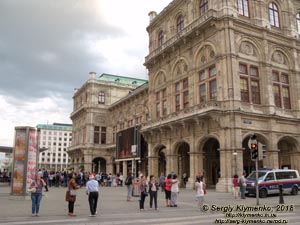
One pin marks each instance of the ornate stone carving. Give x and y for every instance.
(181, 68)
(161, 78)
(206, 54)
(247, 48)
(278, 57)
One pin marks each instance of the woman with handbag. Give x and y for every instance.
(36, 189)
(71, 193)
(143, 191)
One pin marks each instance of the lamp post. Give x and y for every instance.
(235, 162)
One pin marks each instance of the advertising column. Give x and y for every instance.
(25, 158)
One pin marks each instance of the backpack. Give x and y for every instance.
(128, 181)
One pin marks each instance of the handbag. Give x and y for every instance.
(145, 193)
(73, 192)
(31, 189)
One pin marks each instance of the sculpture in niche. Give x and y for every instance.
(247, 48)
(278, 57)
(100, 119)
(161, 79)
(181, 67)
(206, 54)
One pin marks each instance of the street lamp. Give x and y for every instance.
(235, 163)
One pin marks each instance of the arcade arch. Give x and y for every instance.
(211, 161)
(98, 165)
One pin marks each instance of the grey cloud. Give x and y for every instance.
(43, 46)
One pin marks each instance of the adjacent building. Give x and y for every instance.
(53, 141)
(219, 72)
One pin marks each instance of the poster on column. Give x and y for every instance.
(31, 159)
(19, 161)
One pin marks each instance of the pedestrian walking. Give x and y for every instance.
(71, 193)
(36, 189)
(129, 185)
(162, 182)
(242, 184)
(153, 189)
(199, 187)
(174, 191)
(121, 179)
(45, 178)
(236, 186)
(143, 192)
(167, 186)
(92, 190)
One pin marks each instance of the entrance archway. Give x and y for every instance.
(162, 161)
(183, 160)
(99, 165)
(287, 150)
(211, 161)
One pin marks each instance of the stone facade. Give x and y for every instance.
(234, 73)
(218, 73)
(93, 145)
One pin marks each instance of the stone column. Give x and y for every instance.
(125, 169)
(295, 158)
(153, 165)
(196, 166)
(87, 161)
(172, 163)
(272, 159)
(109, 166)
(226, 160)
(117, 167)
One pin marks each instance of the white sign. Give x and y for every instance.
(133, 149)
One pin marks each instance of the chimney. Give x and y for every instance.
(152, 15)
(92, 75)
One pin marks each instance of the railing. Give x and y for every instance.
(183, 114)
(185, 32)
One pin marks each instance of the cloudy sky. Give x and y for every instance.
(48, 48)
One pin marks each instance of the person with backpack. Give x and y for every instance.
(128, 183)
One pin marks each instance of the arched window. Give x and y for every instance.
(243, 7)
(298, 22)
(274, 15)
(160, 38)
(180, 23)
(203, 7)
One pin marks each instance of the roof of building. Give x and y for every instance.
(55, 126)
(121, 79)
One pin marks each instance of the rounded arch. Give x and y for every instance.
(160, 78)
(182, 150)
(160, 153)
(292, 141)
(180, 67)
(158, 147)
(201, 141)
(99, 165)
(210, 149)
(205, 53)
(281, 56)
(249, 46)
(289, 154)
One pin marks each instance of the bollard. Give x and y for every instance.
(281, 201)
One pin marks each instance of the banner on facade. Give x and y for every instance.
(125, 140)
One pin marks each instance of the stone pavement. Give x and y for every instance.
(112, 205)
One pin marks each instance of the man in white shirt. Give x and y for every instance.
(92, 190)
